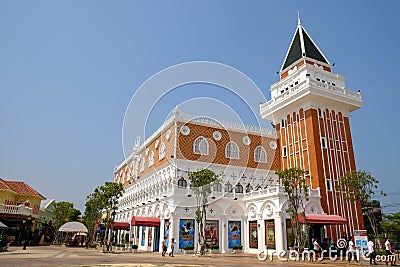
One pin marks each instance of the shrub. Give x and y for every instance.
(93, 245)
(134, 246)
(237, 247)
(189, 247)
(214, 246)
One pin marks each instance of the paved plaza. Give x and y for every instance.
(66, 256)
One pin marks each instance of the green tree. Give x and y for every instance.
(103, 199)
(202, 181)
(297, 192)
(391, 226)
(361, 186)
(93, 211)
(64, 211)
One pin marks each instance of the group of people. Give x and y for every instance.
(164, 248)
(350, 250)
(389, 252)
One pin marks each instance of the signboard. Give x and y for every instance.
(270, 234)
(361, 239)
(186, 233)
(143, 235)
(234, 233)
(211, 232)
(166, 232)
(253, 234)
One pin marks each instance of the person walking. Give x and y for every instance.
(317, 247)
(171, 254)
(371, 251)
(351, 251)
(164, 248)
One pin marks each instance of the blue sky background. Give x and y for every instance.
(68, 70)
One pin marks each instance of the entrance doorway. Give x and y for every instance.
(156, 238)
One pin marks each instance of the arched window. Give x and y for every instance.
(200, 146)
(249, 188)
(161, 152)
(142, 162)
(232, 150)
(182, 183)
(228, 188)
(151, 158)
(260, 155)
(239, 188)
(217, 187)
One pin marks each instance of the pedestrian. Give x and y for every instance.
(171, 254)
(389, 251)
(351, 251)
(164, 248)
(371, 251)
(317, 247)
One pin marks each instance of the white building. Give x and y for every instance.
(248, 207)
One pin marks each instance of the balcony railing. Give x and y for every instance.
(16, 210)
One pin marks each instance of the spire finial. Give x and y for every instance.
(298, 18)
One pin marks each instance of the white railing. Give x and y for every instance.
(16, 210)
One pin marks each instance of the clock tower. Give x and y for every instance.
(310, 108)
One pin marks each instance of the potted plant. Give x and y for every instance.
(188, 249)
(237, 248)
(134, 248)
(214, 248)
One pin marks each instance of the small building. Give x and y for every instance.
(19, 210)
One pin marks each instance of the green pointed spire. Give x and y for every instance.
(302, 46)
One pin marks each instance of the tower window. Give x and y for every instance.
(283, 123)
(319, 113)
(284, 152)
(328, 185)
(323, 142)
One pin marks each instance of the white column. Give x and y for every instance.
(245, 234)
(224, 234)
(261, 233)
(279, 231)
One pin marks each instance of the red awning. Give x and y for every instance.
(145, 221)
(120, 226)
(323, 219)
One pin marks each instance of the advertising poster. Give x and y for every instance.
(234, 233)
(270, 234)
(186, 233)
(361, 239)
(166, 232)
(253, 234)
(289, 233)
(143, 235)
(211, 232)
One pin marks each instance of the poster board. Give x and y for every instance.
(361, 239)
(234, 233)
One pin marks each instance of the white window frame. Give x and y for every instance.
(260, 154)
(329, 185)
(151, 158)
(142, 163)
(232, 150)
(200, 146)
(161, 152)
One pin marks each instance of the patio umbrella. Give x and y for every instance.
(3, 226)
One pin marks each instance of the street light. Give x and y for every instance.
(27, 224)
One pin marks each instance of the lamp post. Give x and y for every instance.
(27, 224)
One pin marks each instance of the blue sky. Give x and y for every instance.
(69, 69)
